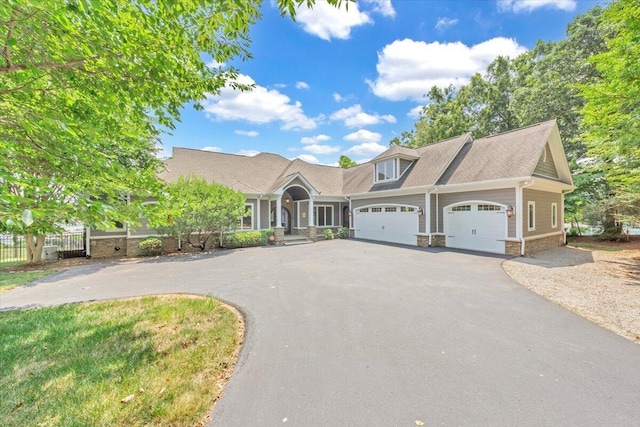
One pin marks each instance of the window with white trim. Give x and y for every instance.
(531, 216)
(324, 216)
(554, 215)
(386, 171)
(461, 208)
(246, 223)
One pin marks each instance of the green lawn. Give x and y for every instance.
(13, 279)
(73, 365)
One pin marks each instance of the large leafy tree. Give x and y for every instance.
(612, 109)
(85, 88)
(194, 211)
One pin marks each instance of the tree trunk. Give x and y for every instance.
(35, 246)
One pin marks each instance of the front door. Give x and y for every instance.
(286, 220)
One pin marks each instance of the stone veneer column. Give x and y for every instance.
(278, 233)
(312, 233)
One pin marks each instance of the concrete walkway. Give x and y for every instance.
(349, 333)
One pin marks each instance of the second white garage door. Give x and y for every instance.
(476, 226)
(395, 224)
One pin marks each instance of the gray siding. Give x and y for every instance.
(264, 214)
(404, 164)
(543, 200)
(111, 233)
(546, 166)
(505, 196)
(143, 229)
(417, 200)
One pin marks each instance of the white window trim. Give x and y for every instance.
(554, 215)
(531, 218)
(315, 212)
(396, 168)
(241, 228)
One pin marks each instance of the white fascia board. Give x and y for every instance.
(328, 199)
(559, 156)
(552, 185)
(310, 188)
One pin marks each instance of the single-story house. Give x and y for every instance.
(501, 194)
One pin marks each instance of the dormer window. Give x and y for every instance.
(386, 170)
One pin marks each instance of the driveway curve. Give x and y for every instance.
(350, 333)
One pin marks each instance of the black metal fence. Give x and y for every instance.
(68, 244)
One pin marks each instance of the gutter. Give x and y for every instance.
(428, 215)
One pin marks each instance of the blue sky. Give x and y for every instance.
(337, 82)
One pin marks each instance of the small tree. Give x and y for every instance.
(345, 162)
(194, 210)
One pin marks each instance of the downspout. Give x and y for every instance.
(350, 212)
(521, 200)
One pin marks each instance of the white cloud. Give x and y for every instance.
(383, 7)
(366, 149)
(250, 133)
(212, 149)
(327, 22)
(213, 64)
(308, 158)
(444, 23)
(354, 116)
(363, 135)
(260, 105)
(248, 153)
(321, 149)
(337, 97)
(314, 139)
(407, 69)
(279, 85)
(531, 5)
(302, 85)
(415, 112)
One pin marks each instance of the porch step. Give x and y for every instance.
(295, 240)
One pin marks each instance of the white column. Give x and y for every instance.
(279, 212)
(258, 213)
(269, 216)
(310, 220)
(350, 216)
(427, 213)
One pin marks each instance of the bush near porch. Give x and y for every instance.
(246, 239)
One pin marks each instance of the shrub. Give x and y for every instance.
(343, 233)
(150, 246)
(328, 234)
(573, 231)
(246, 239)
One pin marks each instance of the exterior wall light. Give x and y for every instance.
(510, 211)
(287, 200)
(349, 213)
(420, 211)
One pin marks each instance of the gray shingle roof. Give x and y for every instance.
(457, 160)
(512, 154)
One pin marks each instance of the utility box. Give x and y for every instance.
(50, 253)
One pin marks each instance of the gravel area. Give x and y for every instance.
(601, 286)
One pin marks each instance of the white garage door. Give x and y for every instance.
(395, 224)
(476, 226)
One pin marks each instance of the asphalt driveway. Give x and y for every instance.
(349, 333)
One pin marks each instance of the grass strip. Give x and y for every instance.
(13, 279)
(166, 357)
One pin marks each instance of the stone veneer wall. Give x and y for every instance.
(533, 246)
(423, 241)
(104, 248)
(438, 240)
(512, 248)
